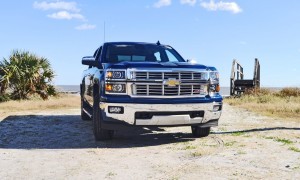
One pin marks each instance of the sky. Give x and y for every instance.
(212, 32)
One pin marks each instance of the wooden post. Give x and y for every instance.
(232, 77)
(256, 78)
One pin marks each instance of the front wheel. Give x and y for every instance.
(99, 133)
(84, 115)
(200, 132)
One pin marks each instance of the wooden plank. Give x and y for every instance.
(245, 82)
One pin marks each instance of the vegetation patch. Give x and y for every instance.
(296, 167)
(281, 140)
(189, 147)
(241, 152)
(289, 92)
(284, 141)
(283, 104)
(238, 133)
(24, 75)
(231, 143)
(268, 137)
(110, 174)
(64, 101)
(294, 149)
(196, 154)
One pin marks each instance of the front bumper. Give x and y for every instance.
(163, 114)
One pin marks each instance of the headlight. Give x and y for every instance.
(115, 83)
(115, 88)
(214, 76)
(214, 82)
(115, 75)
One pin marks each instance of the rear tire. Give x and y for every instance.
(99, 133)
(200, 132)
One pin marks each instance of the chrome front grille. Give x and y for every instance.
(154, 84)
(167, 75)
(164, 90)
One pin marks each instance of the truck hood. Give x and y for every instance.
(125, 65)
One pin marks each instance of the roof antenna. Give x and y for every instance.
(158, 43)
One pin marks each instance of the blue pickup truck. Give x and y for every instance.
(147, 84)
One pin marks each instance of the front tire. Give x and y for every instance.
(84, 115)
(198, 131)
(99, 133)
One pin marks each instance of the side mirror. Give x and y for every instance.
(90, 61)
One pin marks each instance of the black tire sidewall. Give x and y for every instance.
(198, 131)
(99, 133)
(96, 111)
(84, 116)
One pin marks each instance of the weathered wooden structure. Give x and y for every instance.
(238, 84)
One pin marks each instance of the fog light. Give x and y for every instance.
(116, 109)
(117, 88)
(217, 107)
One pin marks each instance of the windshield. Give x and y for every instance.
(141, 53)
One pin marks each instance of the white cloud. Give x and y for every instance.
(64, 10)
(85, 27)
(189, 2)
(222, 6)
(66, 15)
(162, 3)
(58, 5)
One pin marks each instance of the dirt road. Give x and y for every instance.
(58, 145)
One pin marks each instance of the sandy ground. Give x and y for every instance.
(58, 145)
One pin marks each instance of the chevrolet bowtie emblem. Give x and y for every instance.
(172, 82)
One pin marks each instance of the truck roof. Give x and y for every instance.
(132, 43)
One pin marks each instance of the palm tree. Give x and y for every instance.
(25, 74)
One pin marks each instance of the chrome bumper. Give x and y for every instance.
(128, 116)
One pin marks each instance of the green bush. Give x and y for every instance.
(24, 74)
(4, 97)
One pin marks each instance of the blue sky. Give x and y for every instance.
(213, 32)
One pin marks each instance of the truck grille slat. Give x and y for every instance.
(153, 84)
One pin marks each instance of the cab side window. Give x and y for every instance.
(158, 56)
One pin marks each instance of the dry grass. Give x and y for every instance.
(284, 104)
(64, 101)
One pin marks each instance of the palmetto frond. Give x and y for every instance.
(25, 73)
